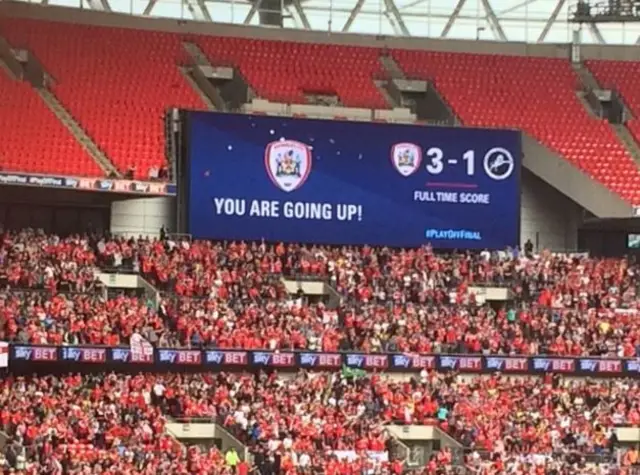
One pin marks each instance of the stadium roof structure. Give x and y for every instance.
(530, 21)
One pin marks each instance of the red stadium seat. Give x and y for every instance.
(33, 139)
(622, 76)
(284, 71)
(116, 82)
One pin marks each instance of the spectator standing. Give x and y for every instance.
(232, 459)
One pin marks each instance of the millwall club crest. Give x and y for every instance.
(288, 164)
(406, 158)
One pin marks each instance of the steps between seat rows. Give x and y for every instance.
(78, 132)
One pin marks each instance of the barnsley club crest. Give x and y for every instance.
(406, 158)
(288, 164)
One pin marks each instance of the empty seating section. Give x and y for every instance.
(33, 139)
(284, 71)
(624, 77)
(536, 95)
(116, 82)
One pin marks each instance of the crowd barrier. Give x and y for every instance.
(284, 360)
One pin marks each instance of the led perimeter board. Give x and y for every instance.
(337, 182)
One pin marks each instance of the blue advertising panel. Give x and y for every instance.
(339, 182)
(206, 359)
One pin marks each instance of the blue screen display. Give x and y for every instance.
(339, 182)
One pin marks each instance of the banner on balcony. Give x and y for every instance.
(4, 354)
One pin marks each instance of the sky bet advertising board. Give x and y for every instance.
(23, 357)
(338, 182)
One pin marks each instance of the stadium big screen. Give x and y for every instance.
(339, 182)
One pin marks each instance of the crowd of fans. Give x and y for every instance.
(75, 319)
(76, 424)
(231, 295)
(30, 259)
(115, 423)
